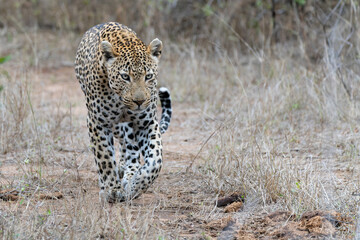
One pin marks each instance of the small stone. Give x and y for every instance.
(234, 207)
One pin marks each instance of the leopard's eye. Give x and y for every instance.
(149, 76)
(125, 76)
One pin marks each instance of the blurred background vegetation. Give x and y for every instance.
(214, 25)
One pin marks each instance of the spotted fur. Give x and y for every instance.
(118, 75)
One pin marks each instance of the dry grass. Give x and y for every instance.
(281, 130)
(288, 136)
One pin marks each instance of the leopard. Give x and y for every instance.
(118, 75)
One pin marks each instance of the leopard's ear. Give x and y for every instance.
(155, 48)
(108, 52)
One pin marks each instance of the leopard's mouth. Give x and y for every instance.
(138, 109)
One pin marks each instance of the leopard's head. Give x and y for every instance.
(131, 67)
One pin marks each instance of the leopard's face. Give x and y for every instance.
(134, 83)
(132, 72)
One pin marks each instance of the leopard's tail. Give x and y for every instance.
(165, 101)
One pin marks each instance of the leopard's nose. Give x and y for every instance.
(139, 102)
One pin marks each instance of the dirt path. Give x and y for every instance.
(179, 200)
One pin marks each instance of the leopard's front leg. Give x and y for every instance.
(129, 150)
(102, 145)
(150, 144)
